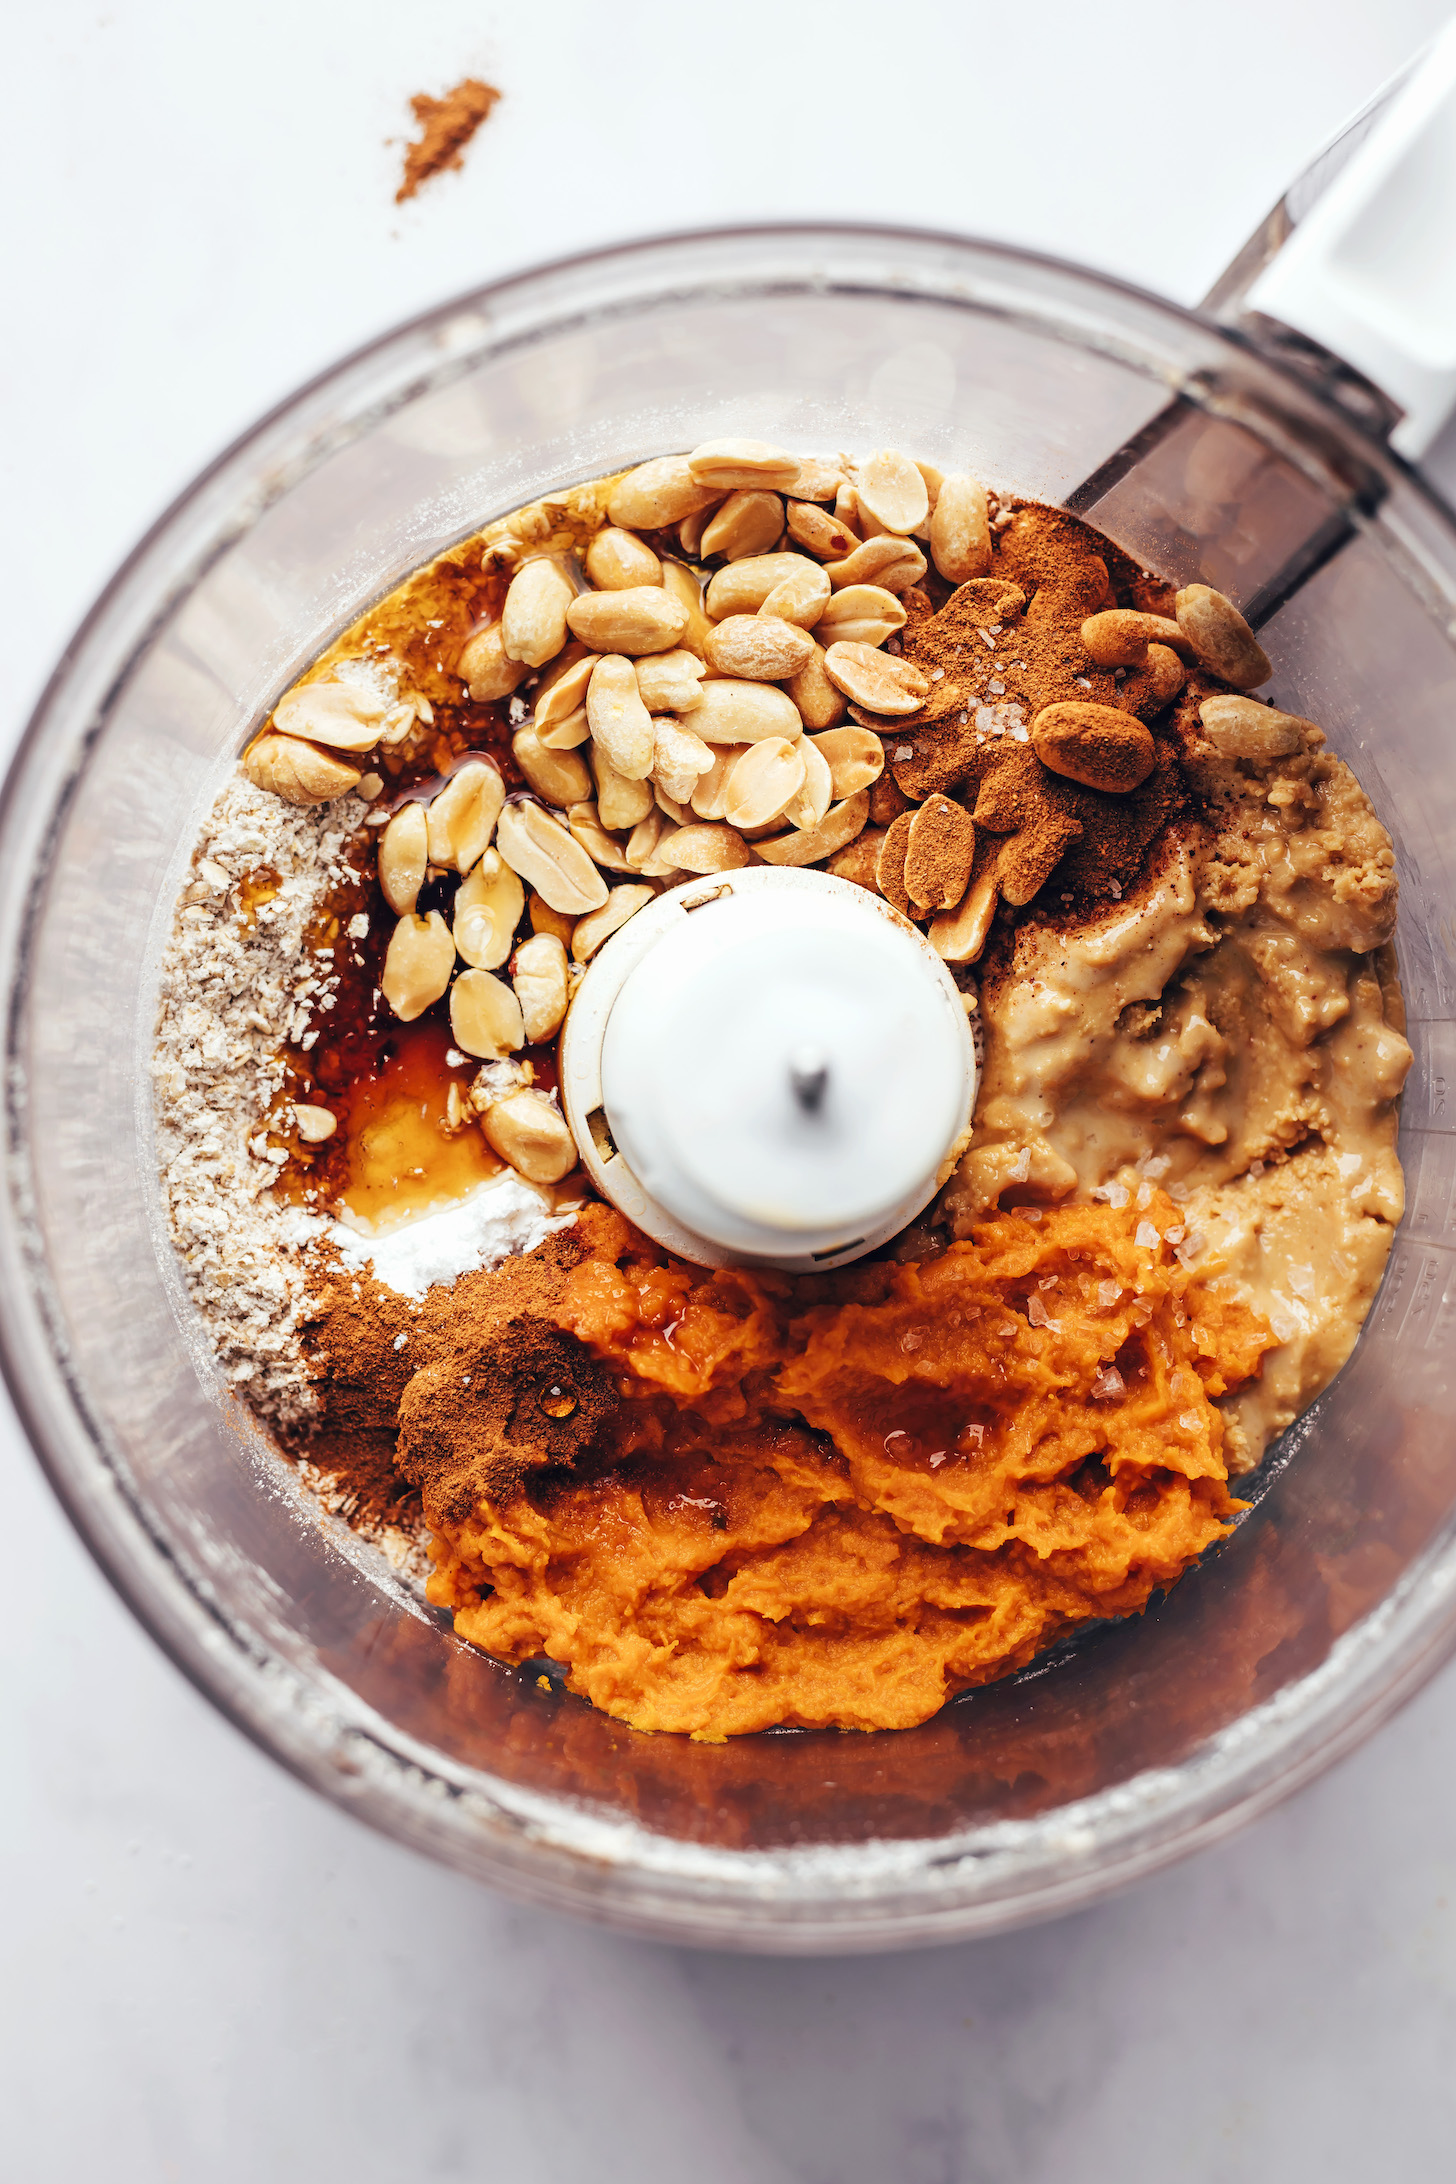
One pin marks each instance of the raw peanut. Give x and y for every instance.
(759, 647)
(404, 852)
(679, 758)
(543, 852)
(1028, 859)
(560, 776)
(553, 922)
(400, 719)
(890, 864)
(858, 861)
(887, 800)
(861, 614)
(340, 715)
(622, 903)
(711, 788)
(656, 494)
(690, 532)
(846, 510)
(960, 530)
(461, 819)
(620, 802)
(698, 849)
(744, 712)
(417, 965)
(993, 598)
(763, 783)
(621, 725)
(800, 598)
(875, 679)
(484, 668)
(1120, 636)
(488, 906)
(644, 839)
(533, 620)
(1242, 728)
(814, 799)
(822, 534)
(959, 935)
(370, 787)
(681, 815)
(485, 1016)
(538, 975)
(820, 704)
(892, 563)
(530, 1135)
(1222, 640)
(684, 587)
(839, 826)
(1094, 744)
(855, 758)
(617, 560)
(298, 772)
(747, 523)
(819, 479)
(314, 1124)
(645, 619)
(602, 848)
(1157, 682)
(890, 488)
(670, 682)
(568, 734)
(934, 480)
(940, 849)
(563, 691)
(727, 465)
(743, 587)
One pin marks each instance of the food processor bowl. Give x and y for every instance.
(1335, 1597)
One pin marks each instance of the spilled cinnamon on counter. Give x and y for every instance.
(446, 127)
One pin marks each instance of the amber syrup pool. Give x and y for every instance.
(394, 1153)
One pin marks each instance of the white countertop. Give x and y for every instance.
(211, 1974)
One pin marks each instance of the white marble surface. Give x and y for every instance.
(209, 1973)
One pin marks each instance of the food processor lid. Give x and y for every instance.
(1369, 271)
(770, 1066)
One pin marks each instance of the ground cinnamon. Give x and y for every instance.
(438, 1403)
(446, 127)
(999, 651)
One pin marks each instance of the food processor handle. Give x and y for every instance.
(1353, 275)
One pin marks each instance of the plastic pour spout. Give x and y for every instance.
(771, 1067)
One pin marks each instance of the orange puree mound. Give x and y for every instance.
(839, 1513)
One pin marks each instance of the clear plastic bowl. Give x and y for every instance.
(1338, 1593)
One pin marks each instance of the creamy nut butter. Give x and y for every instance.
(1233, 1030)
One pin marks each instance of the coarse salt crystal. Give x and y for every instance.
(1147, 1237)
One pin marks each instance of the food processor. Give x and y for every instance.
(1265, 446)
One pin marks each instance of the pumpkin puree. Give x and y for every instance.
(839, 1513)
